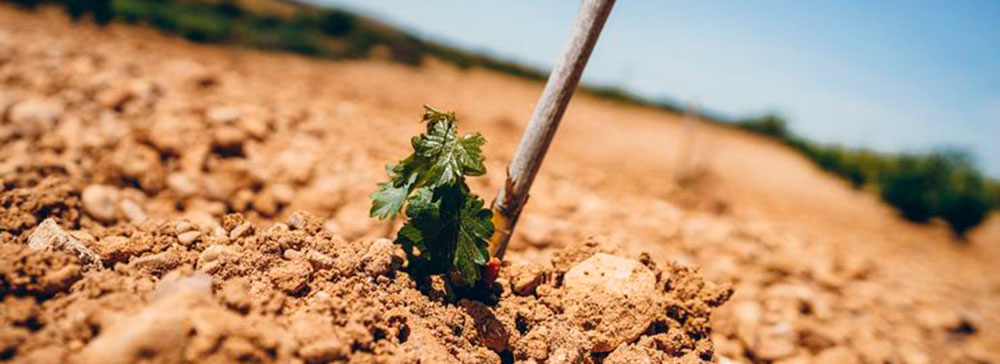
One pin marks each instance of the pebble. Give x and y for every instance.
(241, 230)
(212, 258)
(35, 117)
(774, 342)
(223, 114)
(183, 184)
(182, 226)
(189, 237)
(526, 277)
(100, 203)
(197, 283)
(297, 221)
(132, 211)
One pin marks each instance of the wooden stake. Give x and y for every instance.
(545, 120)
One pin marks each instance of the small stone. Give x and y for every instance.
(35, 117)
(297, 221)
(611, 299)
(223, 114)
(174, 282)
(774, 342)
(291, 254)
(212, 258)
(525, 278)
(182, 184)
(132, 211)
(189, 237)
(241, 230)
(99, 202)
(182, 226)
(49, 236)
(319, 260)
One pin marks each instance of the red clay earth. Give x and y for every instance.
(168, 202)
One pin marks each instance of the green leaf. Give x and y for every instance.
(471, 157)
(447, 228)
(450, 157)
(474, 231)
(388, 200)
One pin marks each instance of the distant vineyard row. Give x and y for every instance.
(941, 184)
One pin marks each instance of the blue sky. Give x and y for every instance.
(892, 75)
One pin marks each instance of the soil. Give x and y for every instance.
(168, 202)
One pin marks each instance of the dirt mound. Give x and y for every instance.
(295, 291)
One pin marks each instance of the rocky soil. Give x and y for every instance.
(168, 202)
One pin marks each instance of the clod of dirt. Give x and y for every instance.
(160, 330)
(118, 249)
(38, 273)
(524, 278)
(291, 277)
(611, 299)
(49, 236)
(379, 259)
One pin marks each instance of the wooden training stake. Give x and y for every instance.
(548, 112)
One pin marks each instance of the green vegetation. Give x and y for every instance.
(447, 229)
(942, 184)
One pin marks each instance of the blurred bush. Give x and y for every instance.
(943, 184)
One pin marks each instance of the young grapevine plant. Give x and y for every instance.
(447, 228)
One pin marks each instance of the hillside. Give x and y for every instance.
(821, 272)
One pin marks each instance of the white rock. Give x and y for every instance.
(34, 117)
(774, 342)
(188, 237)
(223, 114)
(100, 203)
(611, 299)
(132, 211)
(197, 283)
(49, 236)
